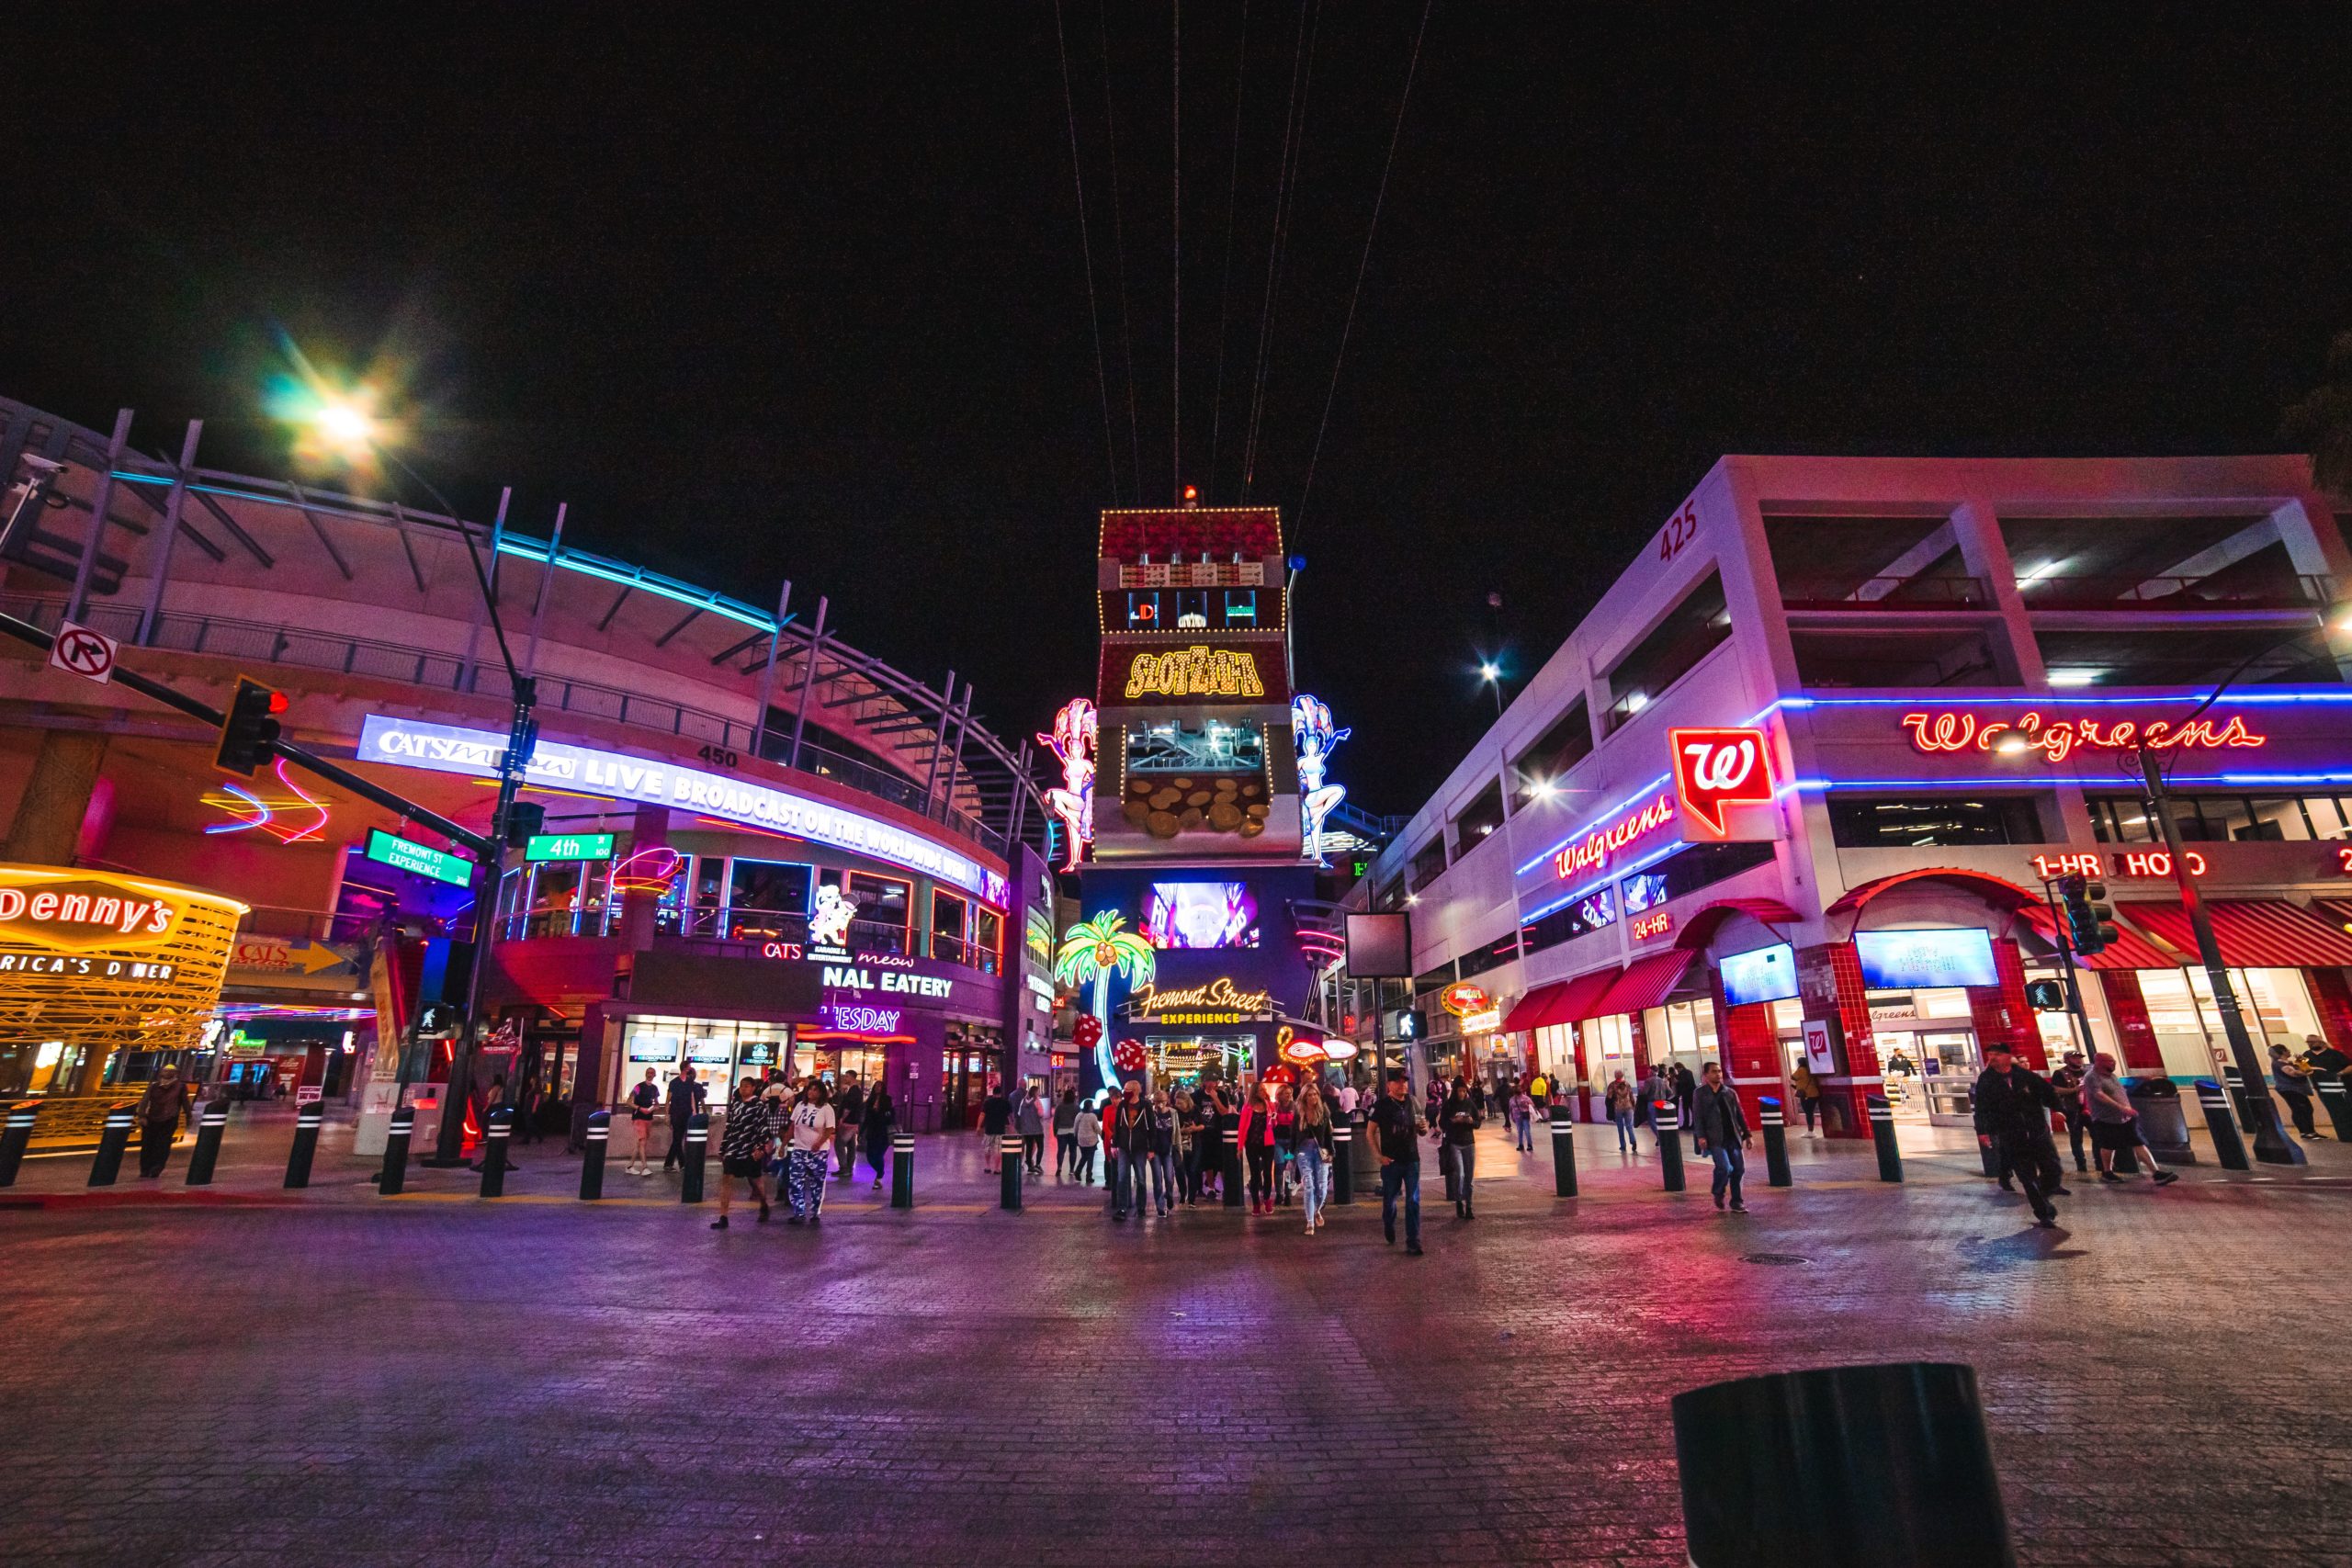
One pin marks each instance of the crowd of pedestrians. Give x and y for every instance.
(798, 1133)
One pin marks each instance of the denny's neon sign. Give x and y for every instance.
(81, 910)
(2058, 737)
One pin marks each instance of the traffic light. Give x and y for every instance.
(2090, 918)
(250, 729)
(525, 818)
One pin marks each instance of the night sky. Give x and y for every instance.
(799, 294)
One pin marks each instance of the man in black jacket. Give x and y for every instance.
(2014, 1105)
(1721, 1134)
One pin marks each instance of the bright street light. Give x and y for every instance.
(1489, 672)
(345, 426)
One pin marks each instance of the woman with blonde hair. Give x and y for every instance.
(1311, 1152)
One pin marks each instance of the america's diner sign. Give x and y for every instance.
(453, 748)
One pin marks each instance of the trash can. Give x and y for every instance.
(2162, 1121)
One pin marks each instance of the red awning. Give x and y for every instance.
(1644, 983)
(2007, 894)
(1530, 1010)
(2255, 933)
(1579, 998)
(1700, 928)
(2130, 950)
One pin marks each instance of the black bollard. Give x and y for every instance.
(1008, 1156)
(1233, 1168)
(1666, 1121)
(1773, 1468)
(2228, 1148)
(22, 1113)
(1563, 1154)
(1775, 1122)
(306, 1144)
(690, 1173)
(211, 1126)
(394, 1175)
(2332, 1095)
(591, 1155)
(497, 1127)
(1890, 1155)
(902, 1170)
(2248, 1121)
(1343, 1163)
(112, 1140)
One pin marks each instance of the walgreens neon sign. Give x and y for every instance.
(2058, 737)
(1595, 849)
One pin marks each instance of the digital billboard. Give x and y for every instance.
(1767, 974)
(1925, 960)
(1199, 914)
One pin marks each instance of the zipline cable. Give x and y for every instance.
(1119, 238)
(1224, 282)
(1302, 78)
(1086, 250)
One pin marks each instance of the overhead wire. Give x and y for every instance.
(1224, 282)
(1086, 251)
(1302, 79)
(1119, 239)
(1298, 514)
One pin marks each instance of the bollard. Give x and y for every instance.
(22, 1113)
(1890, 1155)
(902, 1170)
(690, 1174)
(211, 1126)
(497, 1127)
(306, 1144)
(111, 1143)
(2331, 1094)
(1343, 1163)
(2228, 1148)
(1772, 1468)
(1563, 1154)
(591, 1155)
(2235, 1082)
(1008, 1156)
(394, 1175)
(1233, 1168)
(1666, 1121)
(1775, 1122)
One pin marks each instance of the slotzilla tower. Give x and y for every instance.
(1196, 792)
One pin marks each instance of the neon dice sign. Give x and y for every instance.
(1714, 768)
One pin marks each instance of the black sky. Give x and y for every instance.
(798, 292)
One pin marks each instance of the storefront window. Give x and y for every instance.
(988, 941)
(884, 904)
(2207, 818)
(2275, 1003)
(767, 900)
(948, 913)
(555, 895)
(720, 1050)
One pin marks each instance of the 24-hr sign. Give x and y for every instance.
(1714, 768)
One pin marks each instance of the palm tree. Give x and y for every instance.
(1093, 950)
(2322, 421)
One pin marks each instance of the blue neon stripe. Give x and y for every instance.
(2012, 780)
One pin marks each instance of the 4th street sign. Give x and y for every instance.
(78, 651)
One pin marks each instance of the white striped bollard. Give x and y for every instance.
(211, 1126)
(112, 1140)
(306, 1144)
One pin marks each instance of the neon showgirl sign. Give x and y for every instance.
(2058, 739)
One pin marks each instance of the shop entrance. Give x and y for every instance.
(1927, 1054)
(1182, 1061)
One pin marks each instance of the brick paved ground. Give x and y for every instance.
(334, 1377)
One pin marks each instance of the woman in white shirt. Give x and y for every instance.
(805, 1163)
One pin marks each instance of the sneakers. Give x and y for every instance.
(719, 1224)
(1738, 1208)
(2166, 1177)
(1412, 1249)
(2109, 1176)
(2062, 1192)
(2048, 1223)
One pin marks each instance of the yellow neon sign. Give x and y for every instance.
(1196, 671)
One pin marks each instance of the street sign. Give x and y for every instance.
(422, 859)
(569, 846)
(309, 1094)
(78, 651)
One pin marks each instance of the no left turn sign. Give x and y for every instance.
(78, 651)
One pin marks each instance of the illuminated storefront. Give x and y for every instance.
(104, 976)
(1792, 792)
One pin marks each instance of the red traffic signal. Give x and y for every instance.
(250, 729)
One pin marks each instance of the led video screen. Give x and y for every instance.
(1199, 914)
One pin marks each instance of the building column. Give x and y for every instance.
(2334, 994)
(592, 1066)
(58, 798)
(651, 830)
(1749, 1049)
(2000, 1013)
(1829, 977)
(2127, 1009)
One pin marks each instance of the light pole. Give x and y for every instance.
(1492, 674)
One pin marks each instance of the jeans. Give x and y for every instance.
(1081, 1164)
(677, 1154)
(1812, 1109)
(1163, 1184)
(155, 1145)
(1461, 1164)
(1314, 1178)
(2298, 1106)
(2075, 1121)
(1731, 1163)
(1396, 1176)
(845, 1150)
(1624, 1120)
(1525, 1122)
(1127, 1176)
(877, 1149)
(1064, 1154)
(1033, 1151)
(2034, 1160)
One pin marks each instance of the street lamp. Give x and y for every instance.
(1492, 674)
(346, 426)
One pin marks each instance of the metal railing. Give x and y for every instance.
(259, 642)
(1941, 591)
(2060, 591)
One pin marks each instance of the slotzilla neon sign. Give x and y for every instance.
(1593, 851)
(2059, 737)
